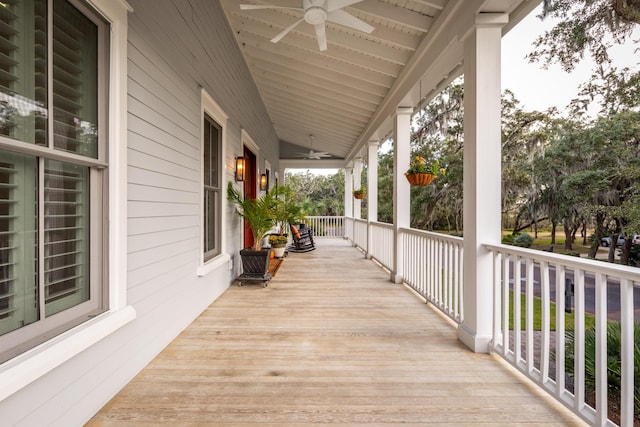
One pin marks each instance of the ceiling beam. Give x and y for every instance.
(314, 68)
(357, 66)
(436, 4)
(396, 14)
(298, 89)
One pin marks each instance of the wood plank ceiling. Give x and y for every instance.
(332, 94)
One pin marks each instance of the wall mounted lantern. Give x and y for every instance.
(264, 182)
(239, 169)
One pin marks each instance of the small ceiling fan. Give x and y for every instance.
(316, 12)
(314, 155)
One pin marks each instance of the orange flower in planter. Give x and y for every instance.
(422, 173)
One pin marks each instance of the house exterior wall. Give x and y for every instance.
(175, 49)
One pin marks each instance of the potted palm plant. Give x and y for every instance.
(285, 209)
(259, 214)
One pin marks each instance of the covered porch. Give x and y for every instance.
(331, 341)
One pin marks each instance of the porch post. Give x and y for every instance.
(357, 183)
(372, 191)
(401, 189)
(348, 198)
(482, 176)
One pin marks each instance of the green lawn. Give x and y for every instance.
(569, 318)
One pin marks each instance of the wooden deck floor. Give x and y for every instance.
(330, 341)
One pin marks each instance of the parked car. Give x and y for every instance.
(606, 241)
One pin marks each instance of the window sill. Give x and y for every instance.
(22, 370)
(213, 264)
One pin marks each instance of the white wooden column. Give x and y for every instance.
(372, 192)
(482, 175)
(279, 175)
(348, 199)
(401, 188)
(357, 183)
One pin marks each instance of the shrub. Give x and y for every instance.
(507, 239)
(614, 362)
(523, 240)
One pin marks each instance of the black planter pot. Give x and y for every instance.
(255, 263)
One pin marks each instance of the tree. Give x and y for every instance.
(592, 26)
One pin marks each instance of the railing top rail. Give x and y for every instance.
(588, 265)
(324, 216)
(382, 224)
(432, 235)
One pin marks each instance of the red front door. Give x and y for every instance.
(249, 190)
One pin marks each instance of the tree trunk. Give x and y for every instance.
(626, 250)
(567, 236)
(553, 232)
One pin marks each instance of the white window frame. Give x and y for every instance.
(213, 110)
(29, 366)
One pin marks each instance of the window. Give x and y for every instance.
(212, 195)
(53, 169)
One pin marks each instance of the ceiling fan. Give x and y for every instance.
(316, 12)
(314, 155)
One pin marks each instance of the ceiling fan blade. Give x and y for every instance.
(262, 6)
(339, 4)
(277, 38)
(348, 20)
(321, 35)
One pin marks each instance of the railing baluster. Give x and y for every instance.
(627, 344)
(529, 317)
(578, 351)
(545, 295)
(497, 294)
(601, 349)
(506, 302)
(560, 329)
(517, 309)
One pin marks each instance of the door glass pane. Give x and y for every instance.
(75, 81)
(66, 228)
(23, 70)
(18, 225)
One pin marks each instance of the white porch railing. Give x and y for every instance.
(381, 247)
(433, 268)
(326, 226)
(532, 285)
(360, 233)
(531, 330)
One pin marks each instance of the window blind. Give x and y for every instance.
(18, 268)
(23, 70)
(66, 236)
(75, 48)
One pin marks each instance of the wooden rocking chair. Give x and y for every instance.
(302, 239)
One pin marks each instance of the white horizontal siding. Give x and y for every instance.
(175, 48)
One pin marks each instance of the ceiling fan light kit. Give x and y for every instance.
(316, 13)
(314, 155)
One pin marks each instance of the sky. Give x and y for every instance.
(537, 88)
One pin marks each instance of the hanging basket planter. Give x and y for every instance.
(420, 179)
(359, 195)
